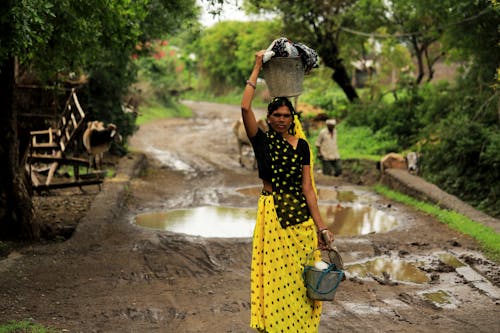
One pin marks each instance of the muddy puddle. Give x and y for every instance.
(346, 212)
(450, 259)
(342, 216)
(170, 160)
(356, 219)
(388, 269)
(207, 221)
(438, 297)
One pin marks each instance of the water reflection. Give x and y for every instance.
(170, 160)
(438, 297)
(217, 221)
(206, 221)
(449, 259)
(253, 191)
(397, 270)
(325, 194)
(356, 220)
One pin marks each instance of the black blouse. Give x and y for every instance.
(261, 150)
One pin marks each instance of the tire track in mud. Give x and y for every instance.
(177, 256)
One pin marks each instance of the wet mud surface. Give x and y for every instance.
(115, 276)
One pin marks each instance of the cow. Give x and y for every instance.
(97, 140)
(398, 161)
(242, 138)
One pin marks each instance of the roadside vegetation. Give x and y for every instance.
(485, 236)
(24, 326)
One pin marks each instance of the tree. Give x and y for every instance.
(19, 23)
(50, 36)
(465, 161)
(454, 125)
(226, 51)
(315, 23)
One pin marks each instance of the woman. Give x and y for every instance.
(288, 218)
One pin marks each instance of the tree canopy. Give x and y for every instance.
(315, 23)
(50, 37)
(227, 49)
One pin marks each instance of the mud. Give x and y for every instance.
(115, 276)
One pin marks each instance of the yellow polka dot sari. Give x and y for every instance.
(279, 301)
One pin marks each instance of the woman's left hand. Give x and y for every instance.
(326, 239)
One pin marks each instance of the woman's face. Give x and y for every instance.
(280, 120)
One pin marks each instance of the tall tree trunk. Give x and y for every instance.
(420, 61)
(328, 51)
(344, 81)
(16, 206)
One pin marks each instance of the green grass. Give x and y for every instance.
(356, 143)
(486, 236)
(361, 143)
(24, 326)
(156, 111)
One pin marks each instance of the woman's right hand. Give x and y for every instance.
(259, 55)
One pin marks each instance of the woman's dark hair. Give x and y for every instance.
(278, 102)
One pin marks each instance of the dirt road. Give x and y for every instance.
(114, 276)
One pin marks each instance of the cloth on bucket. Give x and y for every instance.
(283, 47)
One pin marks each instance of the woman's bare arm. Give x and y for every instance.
(248, 95)
(312, 203)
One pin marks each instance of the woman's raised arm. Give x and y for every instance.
(248, 95)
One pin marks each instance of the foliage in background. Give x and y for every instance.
(152, 111)
(319, 91)
(316, 23)
(161, 69)
(464, 159)
(54, 39)
(113, 74)
(454, 125)
(418, 24)
(226, 52)
(356, 142)
(97, 39)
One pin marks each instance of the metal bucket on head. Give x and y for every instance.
(284, 76)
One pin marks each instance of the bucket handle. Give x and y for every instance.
(331, 268)
(325, 271)
(330, 251)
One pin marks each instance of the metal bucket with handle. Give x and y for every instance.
(284, 76)
(322, 284)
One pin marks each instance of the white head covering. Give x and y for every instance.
(331, 122)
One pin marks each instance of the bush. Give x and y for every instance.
(466, 161)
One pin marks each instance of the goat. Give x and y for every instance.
(97, 140)
(242, 138)
(412, 161)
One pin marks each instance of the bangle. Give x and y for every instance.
(321, 230)
(251, 84)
